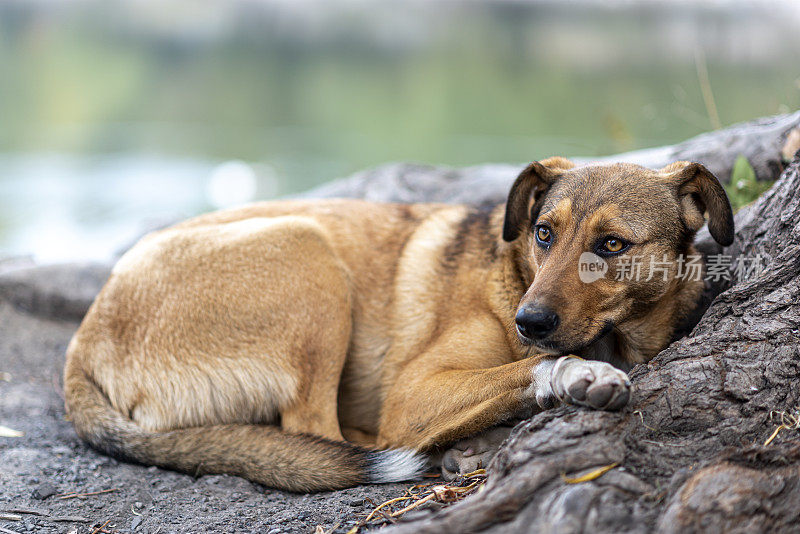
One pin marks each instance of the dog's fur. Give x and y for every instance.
(252, 341)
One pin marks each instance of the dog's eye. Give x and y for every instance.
(613, 245)
(543, 235)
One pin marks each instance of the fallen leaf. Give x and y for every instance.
(597, 473)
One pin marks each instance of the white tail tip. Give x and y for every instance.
(395, 465)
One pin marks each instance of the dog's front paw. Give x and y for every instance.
(597, 385)
(473, 453)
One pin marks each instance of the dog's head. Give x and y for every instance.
(604, 245)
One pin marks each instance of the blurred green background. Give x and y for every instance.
(115, 113)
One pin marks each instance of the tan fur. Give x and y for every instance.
(218, 343)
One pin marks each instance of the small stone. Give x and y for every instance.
(135, 522)
(356, 502)
(43, 491)
(138, 504)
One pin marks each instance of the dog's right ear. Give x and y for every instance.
(699, 191)
(528, 189)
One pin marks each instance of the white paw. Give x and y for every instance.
(473, 453)
(597, 385)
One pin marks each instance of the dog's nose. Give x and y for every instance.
(536, 322)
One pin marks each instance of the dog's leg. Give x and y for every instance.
(314, 409)
(454, 390)
(473, 453)
(477, 451)
(594, 384)
(589, 383)
(321, 357)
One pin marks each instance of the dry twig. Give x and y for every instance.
(72, 495)
(101, 528)
(789, 421)
(4, 514)
(421, 494)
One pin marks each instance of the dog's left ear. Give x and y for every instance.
(699, 192)
(530, 185)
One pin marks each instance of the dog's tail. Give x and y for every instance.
(264, 454)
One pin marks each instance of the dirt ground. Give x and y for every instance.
(39, 311)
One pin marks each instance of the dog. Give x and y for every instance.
(317, 345)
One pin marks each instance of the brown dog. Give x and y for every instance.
(252, 341)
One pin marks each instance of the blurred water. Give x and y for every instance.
(113, 114)
(62, 207)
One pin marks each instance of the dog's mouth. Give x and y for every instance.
(555, 348)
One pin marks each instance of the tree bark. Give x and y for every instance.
(761, 141)
(690, 447)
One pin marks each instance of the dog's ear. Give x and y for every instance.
(530, 185)
(699, 192)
